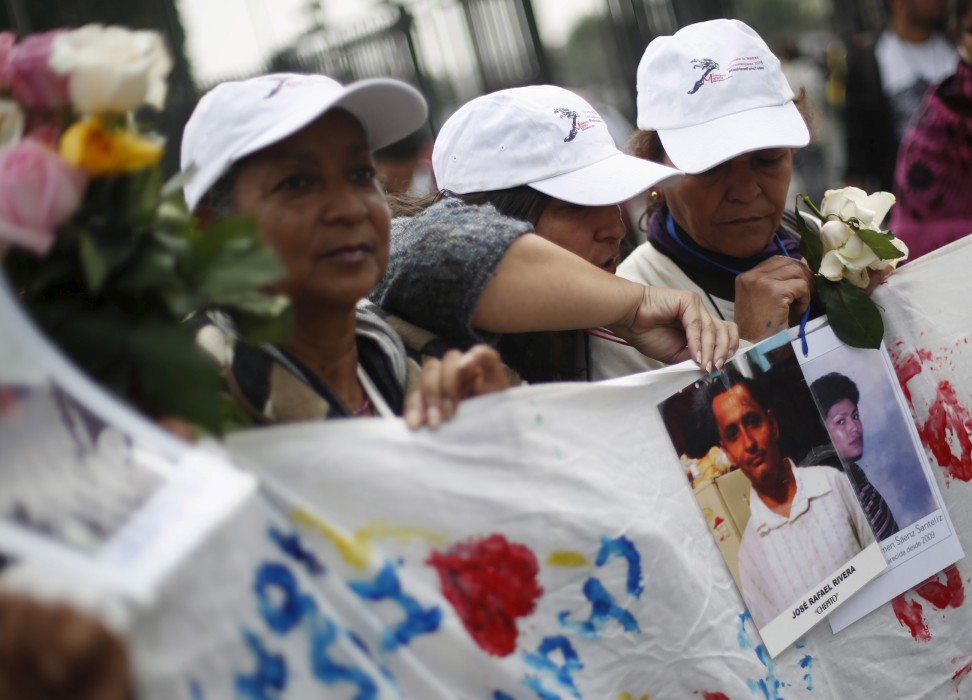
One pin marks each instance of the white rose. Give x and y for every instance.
(835, 234)
(854, 258)
(841, 203)
(11, 121)
(854, 203)
(850, 261)
(893, 262)
(111, 69)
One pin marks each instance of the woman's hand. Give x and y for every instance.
(875, 278)
(50, 652)
(449, 380)
(772, 297)
(673, 325)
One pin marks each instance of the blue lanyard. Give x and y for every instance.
(670, 225)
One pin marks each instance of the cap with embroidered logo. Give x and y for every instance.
(238, 118)
(714, 90)
(542, 136)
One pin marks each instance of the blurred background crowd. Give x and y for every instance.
(453, 50)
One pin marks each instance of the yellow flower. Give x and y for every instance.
(101, 152)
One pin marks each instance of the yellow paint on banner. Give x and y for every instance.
(567, 559)
(356, 550)
(384, 531)
(356, 553)
(628, 696)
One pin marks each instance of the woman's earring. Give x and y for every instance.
(654, 195)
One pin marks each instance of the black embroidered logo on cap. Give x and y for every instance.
(707, 65)
(277, 88)
(568, 114)
(286, 82)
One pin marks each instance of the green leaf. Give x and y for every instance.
(880, 243)
(175, 240)
(809, 202)
(92, 337)
(181, 302)
(235, 273)
(233, 233)
(811, 245)
(233, 416)
(172, 216)
(173, 186)
(102, 254)
(152, 268)
(174, 377)
(229, 259)
(93, 263)
(262, 318)
(853, 316)
(147, 184)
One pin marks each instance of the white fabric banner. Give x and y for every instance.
(544, 544)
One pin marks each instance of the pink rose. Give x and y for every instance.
(38, 192)
(30, 76)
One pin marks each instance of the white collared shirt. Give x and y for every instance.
(781, 558)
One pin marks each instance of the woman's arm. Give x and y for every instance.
(539, 286)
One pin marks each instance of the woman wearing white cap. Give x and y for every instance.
(294, 151)
(544, 160)
(713, 102)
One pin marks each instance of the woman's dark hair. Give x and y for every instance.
(219, 197)
(523, 202)
(647, 145)
(956, 12)
(833, 388)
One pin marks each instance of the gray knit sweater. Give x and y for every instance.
(440, 262)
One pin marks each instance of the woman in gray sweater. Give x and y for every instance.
(529, 173)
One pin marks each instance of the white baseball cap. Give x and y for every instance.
(713, 91)
(238, 118)
(542, 136)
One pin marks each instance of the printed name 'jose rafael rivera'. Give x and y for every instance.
(805, 605)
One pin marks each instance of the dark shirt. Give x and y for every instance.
(875, 508)
(713, 272)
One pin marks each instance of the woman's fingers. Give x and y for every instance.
(482, 372)
(710, 341)
(772, 296)
(451, 380)
(728, 343)
(448, 380)
(674, 325)
(432, 392)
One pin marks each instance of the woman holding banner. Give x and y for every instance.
(536, 158)
(295, 152)
(713, 102)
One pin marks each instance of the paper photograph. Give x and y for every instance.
(92, 489)
(793, 534)
(874, 441)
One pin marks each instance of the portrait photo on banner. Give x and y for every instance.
(873, 439)
(793, 534)
(90, 489)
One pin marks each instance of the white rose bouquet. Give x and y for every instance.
(103, 254)
(844, 253)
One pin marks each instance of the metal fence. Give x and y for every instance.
(452, 50)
